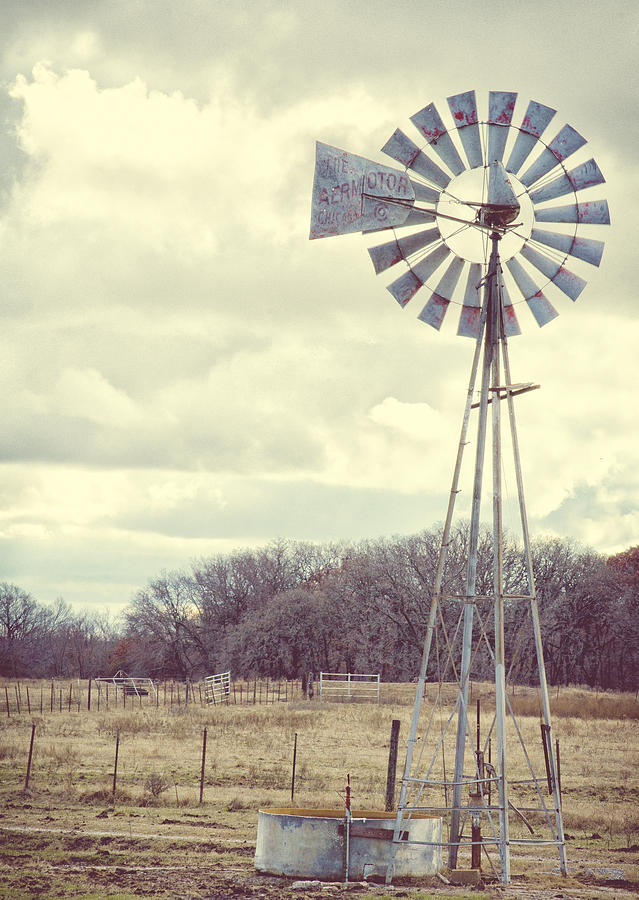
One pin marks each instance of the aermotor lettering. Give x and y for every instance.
(383, 182)
(340, 193)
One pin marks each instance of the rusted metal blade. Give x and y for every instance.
(400, 147)
(435, 310)
(405, 287)
(423, 193)
(532, 127)
(386, 255)
(464, 111)
(430, 125)
(352, 193)
(541, 308)
(511, 325)
(582, 248)
(501, 105)
(593, 212)
(566, 281)
(471, 310)
(562, 146)
(583, 176)
(448, 281)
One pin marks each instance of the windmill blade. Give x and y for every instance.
(343, 181)
(429, 124)
(469, 319)
(593, 212)
(501, 105)
(566, 281)
(562, 146)
(541, 308)
(583, 176)
(464, 111)
(435, 310)
(583, 248)
(407, 286)
(386, 255)
(531, 129)
(400, 147)
(511, 325)
(423, 193)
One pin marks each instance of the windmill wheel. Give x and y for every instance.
(457, 191)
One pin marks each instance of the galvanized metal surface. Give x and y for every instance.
(386, 255)
(471, 309)
(590, 212)
(463, 108)
(583, 248)
(566, 281)
(562, 146)
(400, 147)
(545, 251)
(539, 305)
(351, 193)
(533, 125)
(586, 175)
(490, 300)
(501, 106)
(309, 843)
(430, 125)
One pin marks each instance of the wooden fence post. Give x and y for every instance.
(392, 766)
(26, 780)
(115, 764)
(203, 763)
(293, 775)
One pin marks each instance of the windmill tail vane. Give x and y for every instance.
(462, 221)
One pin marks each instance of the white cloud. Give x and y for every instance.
(182, 369)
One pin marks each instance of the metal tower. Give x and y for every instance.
(477, 217)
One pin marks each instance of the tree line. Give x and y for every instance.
(291, 608)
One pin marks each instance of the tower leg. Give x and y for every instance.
(471, 571)
(534, 612)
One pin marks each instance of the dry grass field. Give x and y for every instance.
(68, 835)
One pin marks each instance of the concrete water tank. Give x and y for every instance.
(309, 843)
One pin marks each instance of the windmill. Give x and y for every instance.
(468, 214)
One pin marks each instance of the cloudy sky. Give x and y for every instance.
(184, 373)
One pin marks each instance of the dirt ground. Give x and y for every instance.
(87, 852)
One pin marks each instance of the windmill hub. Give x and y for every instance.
(462, 199)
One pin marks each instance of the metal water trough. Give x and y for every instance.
(311, 843)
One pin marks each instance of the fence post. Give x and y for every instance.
(89, 697)
(293, 775)
(26, 780)
(6, 694)
(392, 766)
(115, 764)
(203, 762)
